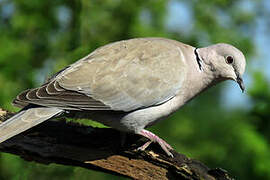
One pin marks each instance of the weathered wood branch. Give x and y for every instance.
(100, 149)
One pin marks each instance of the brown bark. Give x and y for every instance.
(100, 149)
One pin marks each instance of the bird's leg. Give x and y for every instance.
(154, 138)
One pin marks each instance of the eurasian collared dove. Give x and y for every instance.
(129, 85)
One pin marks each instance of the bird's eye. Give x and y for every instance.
(229, 59)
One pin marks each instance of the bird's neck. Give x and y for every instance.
(198, 79)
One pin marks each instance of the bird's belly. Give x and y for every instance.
(137, 120)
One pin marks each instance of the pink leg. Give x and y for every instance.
(154, 138)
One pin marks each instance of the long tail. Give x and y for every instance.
(24, 120)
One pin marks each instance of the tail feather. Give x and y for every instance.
(24, 120)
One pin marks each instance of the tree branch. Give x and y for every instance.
(100, 149)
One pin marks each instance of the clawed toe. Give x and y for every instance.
(143, 147)
(153, 138)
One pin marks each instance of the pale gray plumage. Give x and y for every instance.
(26, 119)
(130, 85)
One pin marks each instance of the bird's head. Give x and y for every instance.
(225, 62)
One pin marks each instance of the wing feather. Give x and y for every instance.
(122, 76)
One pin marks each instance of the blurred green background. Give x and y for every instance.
(222, 127)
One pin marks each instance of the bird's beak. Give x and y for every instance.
(240, 82)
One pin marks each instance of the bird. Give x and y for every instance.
(129, 85)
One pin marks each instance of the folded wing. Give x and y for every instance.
(121, 76)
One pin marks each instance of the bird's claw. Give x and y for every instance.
(153, 138)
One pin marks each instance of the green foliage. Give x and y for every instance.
(38, 38)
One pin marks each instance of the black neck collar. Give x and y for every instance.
(199, 61)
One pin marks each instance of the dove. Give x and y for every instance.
(128, 85)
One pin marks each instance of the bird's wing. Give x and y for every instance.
(121, 76)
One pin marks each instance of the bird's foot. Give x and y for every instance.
(154, 138)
